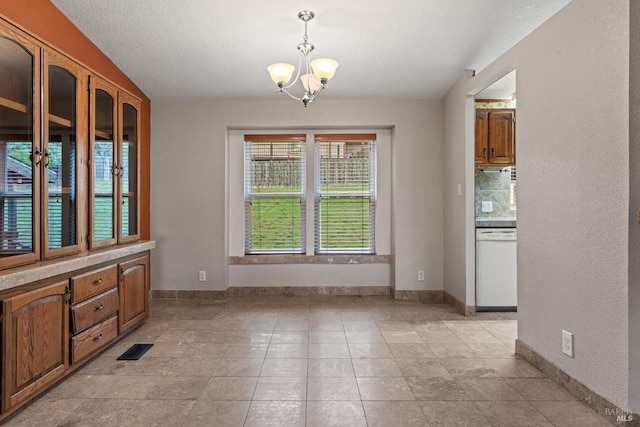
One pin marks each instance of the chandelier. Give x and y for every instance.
(317, 72)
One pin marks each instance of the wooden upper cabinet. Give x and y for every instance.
(64, 147)
(114, 190)
(35, 333)
(495, 137)
(20, 149)
(502, 137)
(103, 173)
(69, 155)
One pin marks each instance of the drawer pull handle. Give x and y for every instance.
(97, 338)
(100, 307)
(97, 282)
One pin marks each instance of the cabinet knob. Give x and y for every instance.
(100, 307)
(97, 282)
(493, 153)
(484, 153)
(97, 338)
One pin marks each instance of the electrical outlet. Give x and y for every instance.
(202, 276)
(487, 206)
(567, 343)
(420, 275)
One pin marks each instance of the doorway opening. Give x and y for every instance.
(495, 196)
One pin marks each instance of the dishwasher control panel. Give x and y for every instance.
(496, 234)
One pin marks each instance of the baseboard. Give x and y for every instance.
(429, 297)
(180, 294)
(309, 290)
(467, 310)
(275, 291)
(580, 391)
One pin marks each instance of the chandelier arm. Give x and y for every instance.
(317, 92)
(297, 73)
(284, 90)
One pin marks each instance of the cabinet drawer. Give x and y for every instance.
(92, 340)
(94, 282)
(94, 310)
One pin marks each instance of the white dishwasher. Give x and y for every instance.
(496, 272)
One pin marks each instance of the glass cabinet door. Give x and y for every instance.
(20, 153)
(128, 167)
(103, 164)
(62, 84)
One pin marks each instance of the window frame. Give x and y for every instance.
(371, 193)
(249, 195)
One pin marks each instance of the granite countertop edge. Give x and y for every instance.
(19, 276)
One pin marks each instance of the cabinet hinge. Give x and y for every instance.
(88, 238)
(67, 291)
(88, 163)
(89, 84)
(1, 317)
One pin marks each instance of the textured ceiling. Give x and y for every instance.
(386, 49)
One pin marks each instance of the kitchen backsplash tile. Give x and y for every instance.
(495, 185)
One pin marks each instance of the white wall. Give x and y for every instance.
(189, 173)
(459, 224)
(573, 188)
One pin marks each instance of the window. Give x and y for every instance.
(345, 193)
(274, 195)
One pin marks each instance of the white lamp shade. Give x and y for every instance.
(310, 83)
(324, 68)
(280, 73)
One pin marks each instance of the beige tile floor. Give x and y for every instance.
(314, 361)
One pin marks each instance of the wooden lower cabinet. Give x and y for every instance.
(134, 293)
(50, 330)
(35, 342)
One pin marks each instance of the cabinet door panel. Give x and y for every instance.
(36, 342)
(129, 168)
(501, 137)
(63, 116)
(20, 149)
(134, 291)
(481, 137)
(103, 162)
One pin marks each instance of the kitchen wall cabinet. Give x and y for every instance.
(495, 142)
(35, 337)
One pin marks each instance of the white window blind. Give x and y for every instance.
(345, 193)
(274, 185)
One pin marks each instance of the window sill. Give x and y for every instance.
(309, 259)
